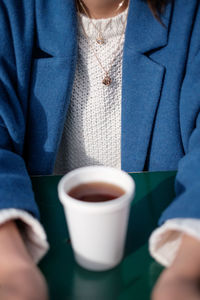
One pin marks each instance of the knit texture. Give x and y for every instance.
(92, 131)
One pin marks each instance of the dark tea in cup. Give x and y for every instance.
(96, 192)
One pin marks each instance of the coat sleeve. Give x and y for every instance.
(187, 184)
(16, 195)
(15, 59)
(183, 215)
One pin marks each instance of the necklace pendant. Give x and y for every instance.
(100, 40)
(107, 80)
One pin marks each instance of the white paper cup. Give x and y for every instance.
(98, 229)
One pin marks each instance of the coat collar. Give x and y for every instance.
(56, 25)
(55, 21)
(144, 33)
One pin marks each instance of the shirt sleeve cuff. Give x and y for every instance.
(165, 241)
(31, 231)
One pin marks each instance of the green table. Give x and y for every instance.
(135, 276)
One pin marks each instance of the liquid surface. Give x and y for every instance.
(96, 192)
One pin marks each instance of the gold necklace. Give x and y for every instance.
(100, 39)
(107, 79)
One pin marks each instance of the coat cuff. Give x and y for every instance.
(165, 241)
(31, 231)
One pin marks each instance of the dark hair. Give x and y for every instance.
(157, 7)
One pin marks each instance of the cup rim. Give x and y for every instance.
(117, 203)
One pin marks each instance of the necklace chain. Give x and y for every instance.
(107, 80)
(100, 40)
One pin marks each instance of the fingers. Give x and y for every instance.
(23, 284)
(174, 287)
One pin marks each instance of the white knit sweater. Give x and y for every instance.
(92, 131)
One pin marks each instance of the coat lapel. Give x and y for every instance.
(142, 81)
(53, 71)
(56, 25)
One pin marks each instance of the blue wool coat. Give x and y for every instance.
(160, 95)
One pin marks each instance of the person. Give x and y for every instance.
(99, 82)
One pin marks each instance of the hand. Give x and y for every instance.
(182, 280)
(20, 279)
